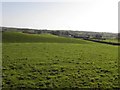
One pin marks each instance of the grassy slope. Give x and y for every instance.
(41, 65)
(15, 37)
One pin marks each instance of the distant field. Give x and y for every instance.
(112, 40)
(109, 40)
(48, 61)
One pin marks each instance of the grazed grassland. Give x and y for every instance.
(112, 40)
(57, 62)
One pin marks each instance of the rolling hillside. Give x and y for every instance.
(16, 37)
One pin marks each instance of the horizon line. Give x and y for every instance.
(54, 29)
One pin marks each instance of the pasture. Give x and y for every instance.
(112, 40)
(48, 61)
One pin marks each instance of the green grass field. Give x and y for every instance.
(48, 61)
(112, 40)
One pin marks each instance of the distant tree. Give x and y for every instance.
(98, 36)
(118, 35)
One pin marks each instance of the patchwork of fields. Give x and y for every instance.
(48, 61)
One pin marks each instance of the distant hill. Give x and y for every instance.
(65, 33)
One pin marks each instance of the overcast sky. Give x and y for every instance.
(83, 15)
